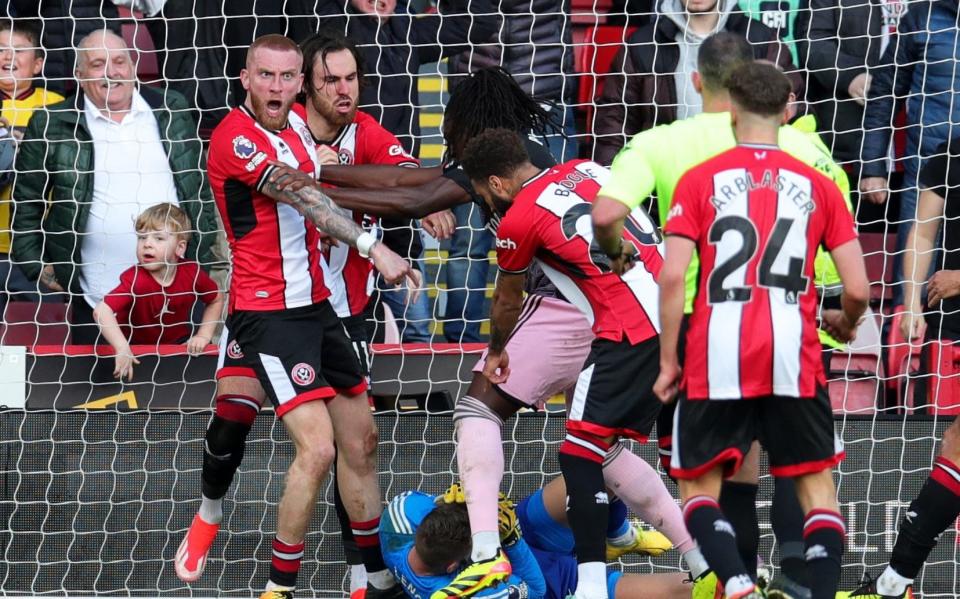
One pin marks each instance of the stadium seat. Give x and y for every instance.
(943, 387)
(138, 38)
(856, 374)
(589, 12)
(31, 323)
(855, 383)
(594, 59)
(902, 359)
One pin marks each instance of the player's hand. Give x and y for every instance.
(497, 367)
(393, 268)
(49, 278)
(874, 189)
(507, 522)
(439, 225)
(196, 344)
(625, 261)
(123, 365)
(453, 494)
(838, 325)
(327, 155)
(286, 178)
(944, 284)
(912, 324)
(668, 382)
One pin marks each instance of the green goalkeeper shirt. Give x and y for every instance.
(655, 159)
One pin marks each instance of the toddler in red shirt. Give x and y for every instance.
(155, 299)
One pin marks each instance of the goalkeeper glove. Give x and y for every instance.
(453, 494)
(507, 521)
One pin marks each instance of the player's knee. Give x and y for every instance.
(360, 450)
(950, 446)
(316, 458)
(225, 439)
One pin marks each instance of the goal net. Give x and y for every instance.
(99, 479)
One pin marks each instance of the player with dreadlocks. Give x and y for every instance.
(546, 349)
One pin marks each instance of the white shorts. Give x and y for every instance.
(547, 350)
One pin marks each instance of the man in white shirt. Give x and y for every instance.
(120, 150)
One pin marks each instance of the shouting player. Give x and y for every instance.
(282, 336)
(653, 161)
(752, 369)
(333, 78)
(547, 218)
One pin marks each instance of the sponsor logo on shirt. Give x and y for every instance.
(243, 148)
(676, 210)
(303, 374)
(255, 162)
(506, 244)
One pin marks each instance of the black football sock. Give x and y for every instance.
(350, 550)
(934, 509)
(587, 500)
(786, 518)
(823, 534)
(738, 502)
(718, 543)
(222, 455)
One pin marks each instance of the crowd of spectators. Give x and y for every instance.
(86, 166)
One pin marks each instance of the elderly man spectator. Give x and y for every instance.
(88, 165)
(920, 64)
(651, 80)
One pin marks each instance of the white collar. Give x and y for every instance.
(137, 106)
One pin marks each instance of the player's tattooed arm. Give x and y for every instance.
(317, 207)
(504, 313)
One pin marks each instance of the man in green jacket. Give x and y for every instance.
(88, 165)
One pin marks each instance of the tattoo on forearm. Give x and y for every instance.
(498, 337)
(317, 206)
(503, 319)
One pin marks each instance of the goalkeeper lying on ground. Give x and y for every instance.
(426, 540)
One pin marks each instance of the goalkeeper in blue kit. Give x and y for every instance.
(426, 541)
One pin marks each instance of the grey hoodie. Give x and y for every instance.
(689, 102)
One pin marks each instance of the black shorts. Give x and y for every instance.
(614, 394)
(798, 434)
(298, 355)
(358, 331)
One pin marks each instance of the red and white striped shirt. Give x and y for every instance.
(549, 220)
(348, 275)
(275, 251)
(757, 216)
